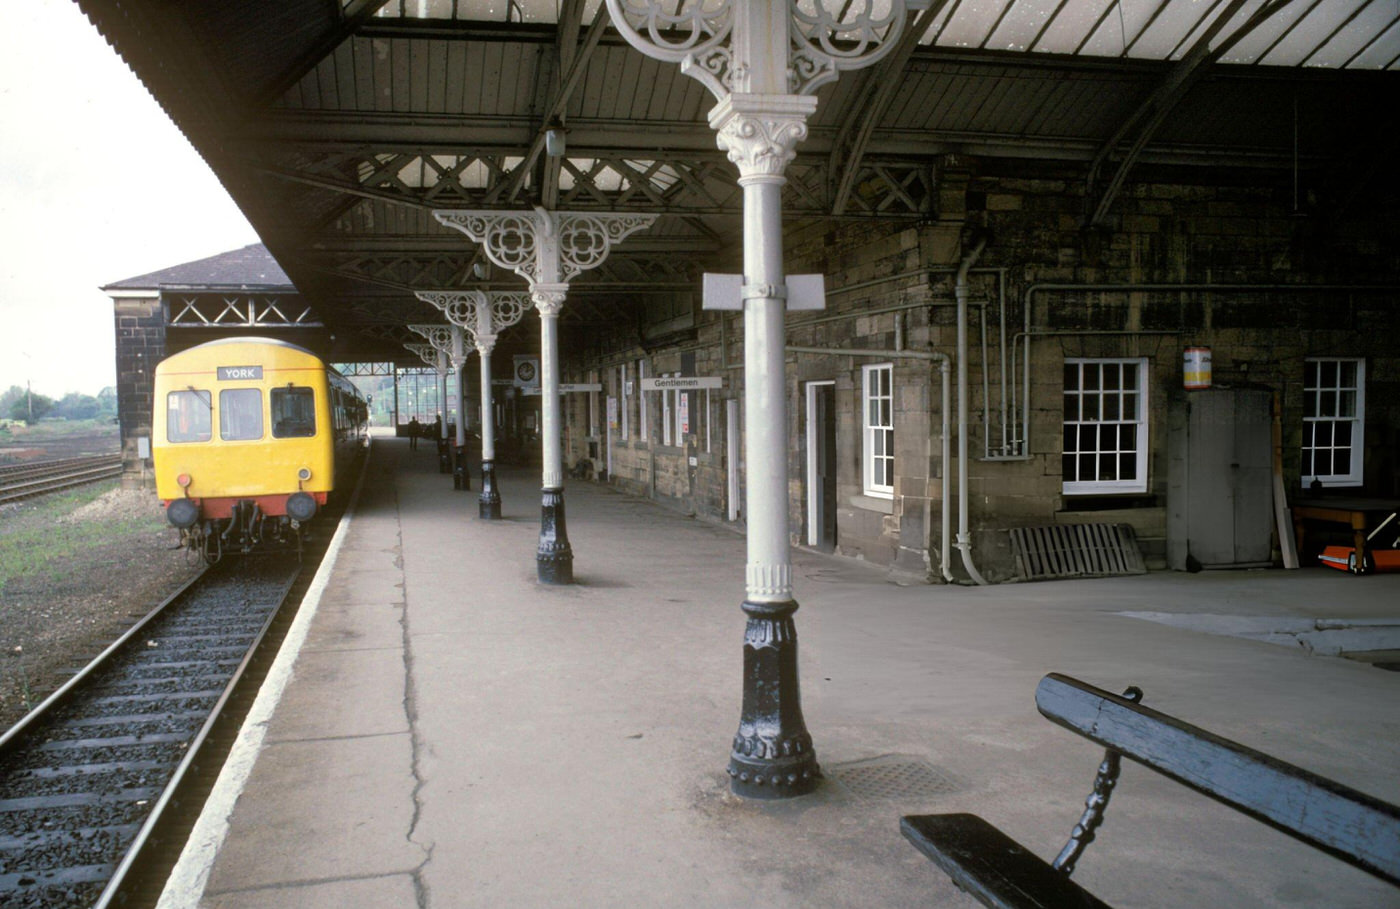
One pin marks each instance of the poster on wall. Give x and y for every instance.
(612, 412)
(685, 413)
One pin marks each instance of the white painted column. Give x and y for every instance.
(481, 317)
(763, 60)
(549, 300)
(459, 362)
(488, 415)
(769, 570)
(547, 249)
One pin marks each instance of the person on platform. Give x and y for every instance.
(414, 428)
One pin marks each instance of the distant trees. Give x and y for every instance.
(20, 404)
(30, 407)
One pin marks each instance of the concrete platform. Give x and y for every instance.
(442, 731)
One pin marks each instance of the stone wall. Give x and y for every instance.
(1258, 275)
(140, 333)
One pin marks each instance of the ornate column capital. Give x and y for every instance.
(760, 132)
(710, 40)
(544, 247)
(549, 298)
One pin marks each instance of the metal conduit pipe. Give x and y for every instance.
(964, 540)
(944, 370)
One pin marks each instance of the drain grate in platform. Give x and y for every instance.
(892, 776)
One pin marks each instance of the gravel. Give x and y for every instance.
(94, 566)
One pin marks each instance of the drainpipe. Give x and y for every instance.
(944, 368)
(960, 289)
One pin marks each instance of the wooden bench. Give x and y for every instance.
(988, 864)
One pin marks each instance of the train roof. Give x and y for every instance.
(249, 339)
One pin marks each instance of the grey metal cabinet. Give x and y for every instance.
(1219, 479)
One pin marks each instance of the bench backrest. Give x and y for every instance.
(1353, 826)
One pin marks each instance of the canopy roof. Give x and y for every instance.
(340, 125)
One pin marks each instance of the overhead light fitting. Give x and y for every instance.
(554, 138)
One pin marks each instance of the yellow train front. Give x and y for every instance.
(248, 436)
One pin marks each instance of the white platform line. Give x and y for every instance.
(187, 881)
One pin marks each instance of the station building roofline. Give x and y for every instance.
(249, 268)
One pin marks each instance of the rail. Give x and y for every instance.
(23, 481)
(86, 776)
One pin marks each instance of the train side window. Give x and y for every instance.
(240, 414)
(293, 412)
(187, 416)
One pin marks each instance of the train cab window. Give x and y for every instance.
(293, 413)
(240, 414)
(187, 416)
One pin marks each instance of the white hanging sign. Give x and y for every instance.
(683, 383)
(566, 387)
(728, 292)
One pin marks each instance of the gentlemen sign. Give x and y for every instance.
(683, 383)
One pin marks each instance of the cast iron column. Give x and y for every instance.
(490, 502)
(547, 249)
(481, 317)
(439, 337)
(555, 556)
(763, 60)
(461, 476)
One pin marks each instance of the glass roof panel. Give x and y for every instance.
(1384, 52)
(1310, 31)
(1141, 29)
(481, 10)
(1266, 33)
(1163, 37)
(971, 22)
(1067, 30)
(1355, 34)
(939, 19)
(1021, 24)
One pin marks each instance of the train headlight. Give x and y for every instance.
(301, 507)
(304, 474)
(184, 480)
(182, 513)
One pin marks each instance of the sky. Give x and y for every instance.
(96, 185)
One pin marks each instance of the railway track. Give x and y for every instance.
(89, 778)
(21, 481)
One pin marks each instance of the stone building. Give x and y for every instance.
(164, 312)
(1075, 364)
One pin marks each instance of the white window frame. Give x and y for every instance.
(626, 401)
(666, 425)
(643, 425)
(707, 421)
(682, 411)
(1318, 400)
(1092, 416)
(879, 430)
